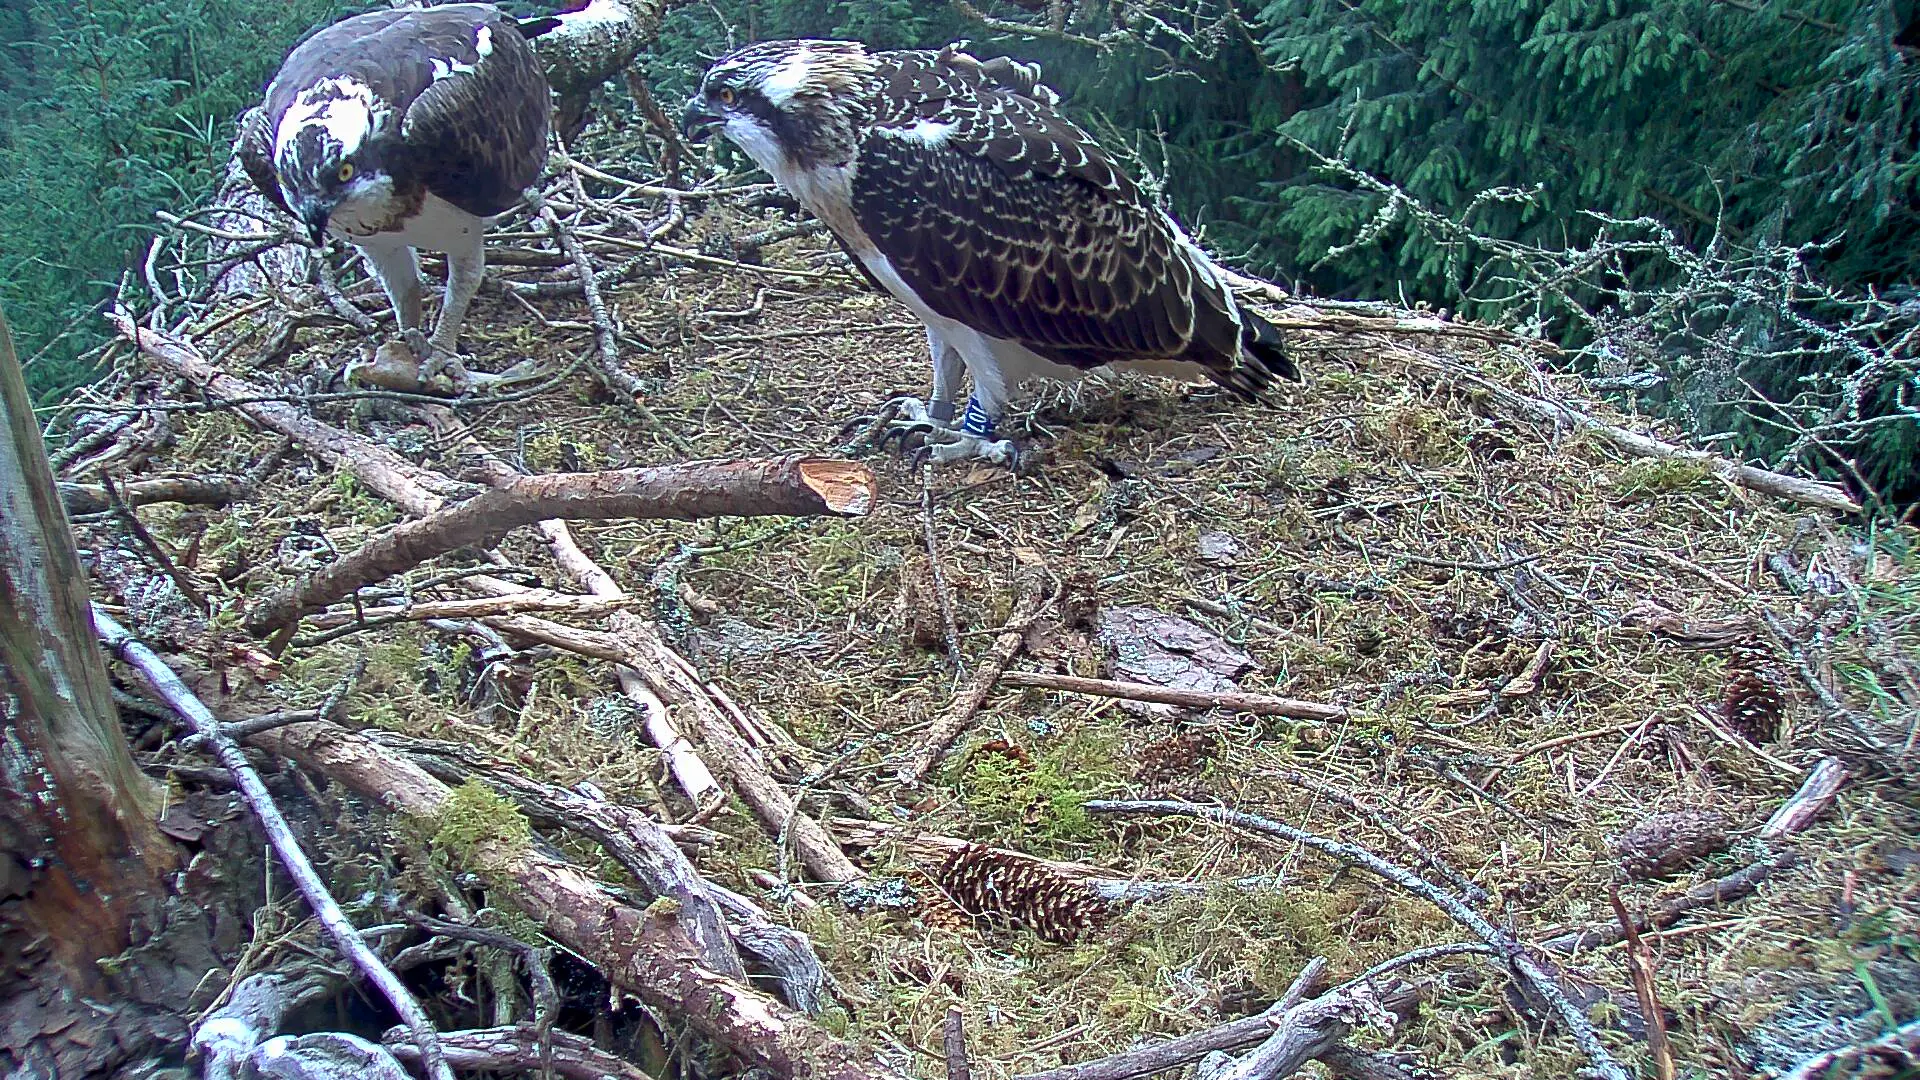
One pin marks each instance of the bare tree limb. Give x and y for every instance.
(1258, 704)
(791, 485)
(195, 490)
(643, 952)
(212, 737)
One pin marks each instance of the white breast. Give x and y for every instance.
(439, 226)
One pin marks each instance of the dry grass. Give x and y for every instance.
(1371, 461)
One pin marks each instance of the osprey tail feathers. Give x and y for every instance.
(1263, 359)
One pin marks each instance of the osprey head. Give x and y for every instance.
(786, 102)
(328, 155)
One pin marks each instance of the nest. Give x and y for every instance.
(1456, 575)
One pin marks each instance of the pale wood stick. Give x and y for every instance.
(1640, 969)
(1817, 793)
(543, 601)
(794, 486)
(683, 761)
(1259, 704)
(644, 952)
(213, 738)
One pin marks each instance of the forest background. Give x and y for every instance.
(1713, 205)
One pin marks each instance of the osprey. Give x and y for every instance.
(404, 129)
(960, 189)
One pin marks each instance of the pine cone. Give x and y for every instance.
(940, 913)
(1020, 892)
(1178, 755)
(1668, 842)
(1751, 701)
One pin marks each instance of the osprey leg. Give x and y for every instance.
(464, 272)
(398, 271)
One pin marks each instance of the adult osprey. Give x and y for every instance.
(404, 129)
(961, 189)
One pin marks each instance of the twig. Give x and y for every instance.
(1536, 978)
(613, 371)
(1308, 1030)
(1816, 793)
(943, 596)
(953, 1040)
(1560, 414)
(1236, 701)
(138, 530)
(790, 486)
(1737, 885)
(1036, 599)
(1474, 894)
(1904, 1039)
(1640, 968)
(208, 730)
(519, 1048)
(530, 600)
(240, 730)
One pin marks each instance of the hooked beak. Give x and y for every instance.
(699, 120)
(314, 214)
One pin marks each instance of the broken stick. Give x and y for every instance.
(644, 952)
(1258, 704)
(1035, 599)
(212, 736)
(796, 486)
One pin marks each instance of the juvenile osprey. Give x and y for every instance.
(404, 129)
(960, 188)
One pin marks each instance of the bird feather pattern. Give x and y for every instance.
(1003, 214)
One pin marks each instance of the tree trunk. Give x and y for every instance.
(85, 861)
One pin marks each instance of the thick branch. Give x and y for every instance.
(792, 485)
(643, 952)
(196, 490)
(519, 1048)
(387, 474)
(1258, 704)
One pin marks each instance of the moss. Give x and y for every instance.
(477, 827)
(1661, 476)
(1040, 798)
(1417, 433)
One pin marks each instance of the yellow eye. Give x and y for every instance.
(726, 95)
(346, 171)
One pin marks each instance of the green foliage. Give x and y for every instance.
(110, 110)
(1750, 127)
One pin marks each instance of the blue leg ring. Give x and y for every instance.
(976, 422)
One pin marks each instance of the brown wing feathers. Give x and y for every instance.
(424, 62)
(1012, 220)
